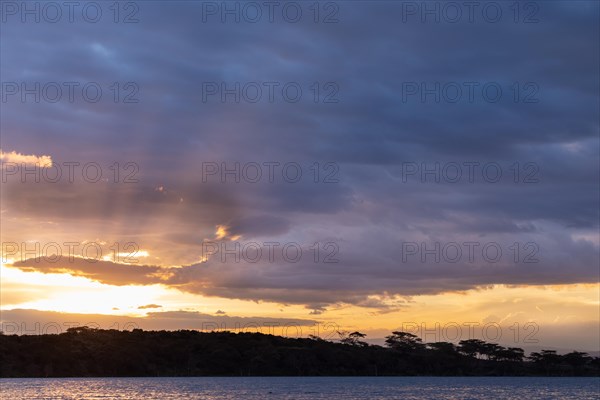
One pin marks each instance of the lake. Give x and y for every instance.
(301, 388)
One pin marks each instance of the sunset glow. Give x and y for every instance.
(360, 176)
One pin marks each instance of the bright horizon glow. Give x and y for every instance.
(557, 305)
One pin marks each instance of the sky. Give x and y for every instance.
(303, 168)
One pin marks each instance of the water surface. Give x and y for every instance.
(300, 388)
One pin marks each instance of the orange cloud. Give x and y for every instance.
(29, 159)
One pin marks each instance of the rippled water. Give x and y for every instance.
(302, 388)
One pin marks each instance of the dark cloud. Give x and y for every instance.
(264, 225)
(147, 306)
(375, 271)
(102, 271)
(370, 134)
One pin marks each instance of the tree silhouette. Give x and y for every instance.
(443, 347)
(471, 347)
(87, 352)
(352, 339)
(404, 342)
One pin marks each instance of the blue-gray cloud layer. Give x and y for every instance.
(375, 133)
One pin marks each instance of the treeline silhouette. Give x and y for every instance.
(88, 352)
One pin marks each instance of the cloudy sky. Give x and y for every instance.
(352, 164)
